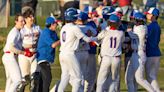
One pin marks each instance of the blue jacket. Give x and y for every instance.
(44, 49)
(153, 39)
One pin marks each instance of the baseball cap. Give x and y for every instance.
(153, 11)
(50, 20)
(114, 18)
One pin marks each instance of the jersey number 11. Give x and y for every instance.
(113, 42)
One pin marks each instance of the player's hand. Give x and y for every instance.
(28, 53)
(129, 29)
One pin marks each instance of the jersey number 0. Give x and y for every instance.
(64, 36)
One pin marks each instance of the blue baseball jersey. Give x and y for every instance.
(44, 49)
(153, 39)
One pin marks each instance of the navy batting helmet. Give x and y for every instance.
(83, 16)
(139, 16)
(71, 14)
(107, 11)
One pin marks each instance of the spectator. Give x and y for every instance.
(125, 5)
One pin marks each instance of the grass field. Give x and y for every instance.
(56, 67)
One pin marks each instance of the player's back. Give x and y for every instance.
(70, 37)
(141, 32)
(111, 42)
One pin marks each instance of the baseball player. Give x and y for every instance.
(111, 45)
(28, 65)
(152, 49)
(70, 36)
(138, 59)
(11, 50)
(82, 51)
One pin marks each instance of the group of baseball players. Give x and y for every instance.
(84, 35)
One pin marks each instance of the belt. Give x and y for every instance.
(9, 52)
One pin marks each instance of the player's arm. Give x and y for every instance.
(94, 32)
(80, 35)
(55, 44)
(28, 45)
(132, 35)
(12, 38)
(15, 50)
(101, 35)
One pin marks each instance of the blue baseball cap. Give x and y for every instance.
(114, 18)
(50, 20)
(153, 11)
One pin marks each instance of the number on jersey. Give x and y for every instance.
(64, 36)
(113, 42)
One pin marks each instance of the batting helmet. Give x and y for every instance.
(71, 14)
(107, 11)
(83, 16)
(114, 18)
(139, 16)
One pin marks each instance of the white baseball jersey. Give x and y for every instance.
(14, 37)
(141, 32)
(30, 36)
(111, 42)
(13, 74)
(85, 28)
(70, 37)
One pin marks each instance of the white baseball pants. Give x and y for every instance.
(13, 74)
(70, 71)
(137, 68)
(108, 65)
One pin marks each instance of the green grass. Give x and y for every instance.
(56, 76)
